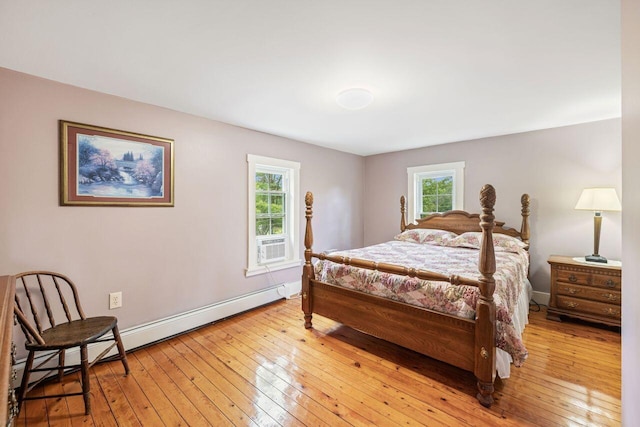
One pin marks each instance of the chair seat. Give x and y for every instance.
(74, 333)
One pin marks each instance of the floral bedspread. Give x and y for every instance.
(458, 300)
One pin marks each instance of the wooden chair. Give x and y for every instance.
(48, 310)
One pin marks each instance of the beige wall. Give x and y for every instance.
(552, 165)
(164, 260)
(630, 211)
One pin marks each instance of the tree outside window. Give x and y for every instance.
(437, 195)
(435, 188)
(270, 204)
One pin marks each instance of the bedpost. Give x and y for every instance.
(403, 213)
(307, 271)
(524, 230)
(485, 346)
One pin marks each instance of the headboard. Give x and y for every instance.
(460, 221)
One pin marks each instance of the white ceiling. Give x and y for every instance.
(440, 70)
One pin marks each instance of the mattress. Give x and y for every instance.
(446, 256)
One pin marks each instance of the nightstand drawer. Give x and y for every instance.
(574, 277)
(590, 307)
(607, 282)
(594, 294)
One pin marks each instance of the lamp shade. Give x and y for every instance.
(599, 199)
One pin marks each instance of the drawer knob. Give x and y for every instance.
(571, 304)
(610, 283)
(612, 312)
(573, 278)
(572, 291)
(611, 297)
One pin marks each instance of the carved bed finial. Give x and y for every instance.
(487, 197)
(525, 200)
(487, 261)
(308, 234)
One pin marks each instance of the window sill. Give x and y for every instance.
(255, 270)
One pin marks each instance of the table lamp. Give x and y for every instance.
(598, 200)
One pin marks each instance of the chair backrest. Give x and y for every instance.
(43, 300)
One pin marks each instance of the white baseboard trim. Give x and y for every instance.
(151, 332)
(541, 298)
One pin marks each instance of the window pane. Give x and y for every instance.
(277, 226)
(262, 181)
(437, 194)
(277, 203)
(275, 182)
(262, 204)
(429, 204)
(445, 185)
(429, 186)
(262, 226)
(445, 203)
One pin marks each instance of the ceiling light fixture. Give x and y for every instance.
(354, 98)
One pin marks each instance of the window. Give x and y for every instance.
(274, 212)
(435, 188)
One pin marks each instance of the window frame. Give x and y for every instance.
(292, 215)
(415, 175)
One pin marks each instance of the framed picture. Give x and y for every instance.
(108, 167)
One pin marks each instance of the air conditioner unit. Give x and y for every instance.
(271, 250)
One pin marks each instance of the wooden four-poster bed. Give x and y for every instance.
(468, 343)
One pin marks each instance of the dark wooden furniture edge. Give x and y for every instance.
(426, 331)
(7, 292)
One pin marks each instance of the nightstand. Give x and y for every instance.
(586, 291)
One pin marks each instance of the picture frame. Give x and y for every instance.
(108, 167)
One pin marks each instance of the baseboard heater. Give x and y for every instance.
(159, 330)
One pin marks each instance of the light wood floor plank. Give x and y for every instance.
(346, 405)
(118, 401)
(253, 366)
(57, 409)
(262, 368)
(71, 384)
(359, 394)
(208, 386)
(376, 379)
(267, 397)
(146, 412)
(248, 404)
(413, 375)
(317, 399)
(212, 413)
(172, 394)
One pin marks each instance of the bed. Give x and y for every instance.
(461, 337)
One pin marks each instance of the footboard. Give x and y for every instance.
(441, 336)
(464, 343)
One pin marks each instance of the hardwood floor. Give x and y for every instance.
(263, 368)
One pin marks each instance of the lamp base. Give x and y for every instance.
(595, 258)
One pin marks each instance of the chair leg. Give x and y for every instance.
(123, 354)
(84, 366)
(61, 365)
(24, 385)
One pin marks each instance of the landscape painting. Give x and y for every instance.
(103, 166)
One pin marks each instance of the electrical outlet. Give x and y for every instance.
(115, 300)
